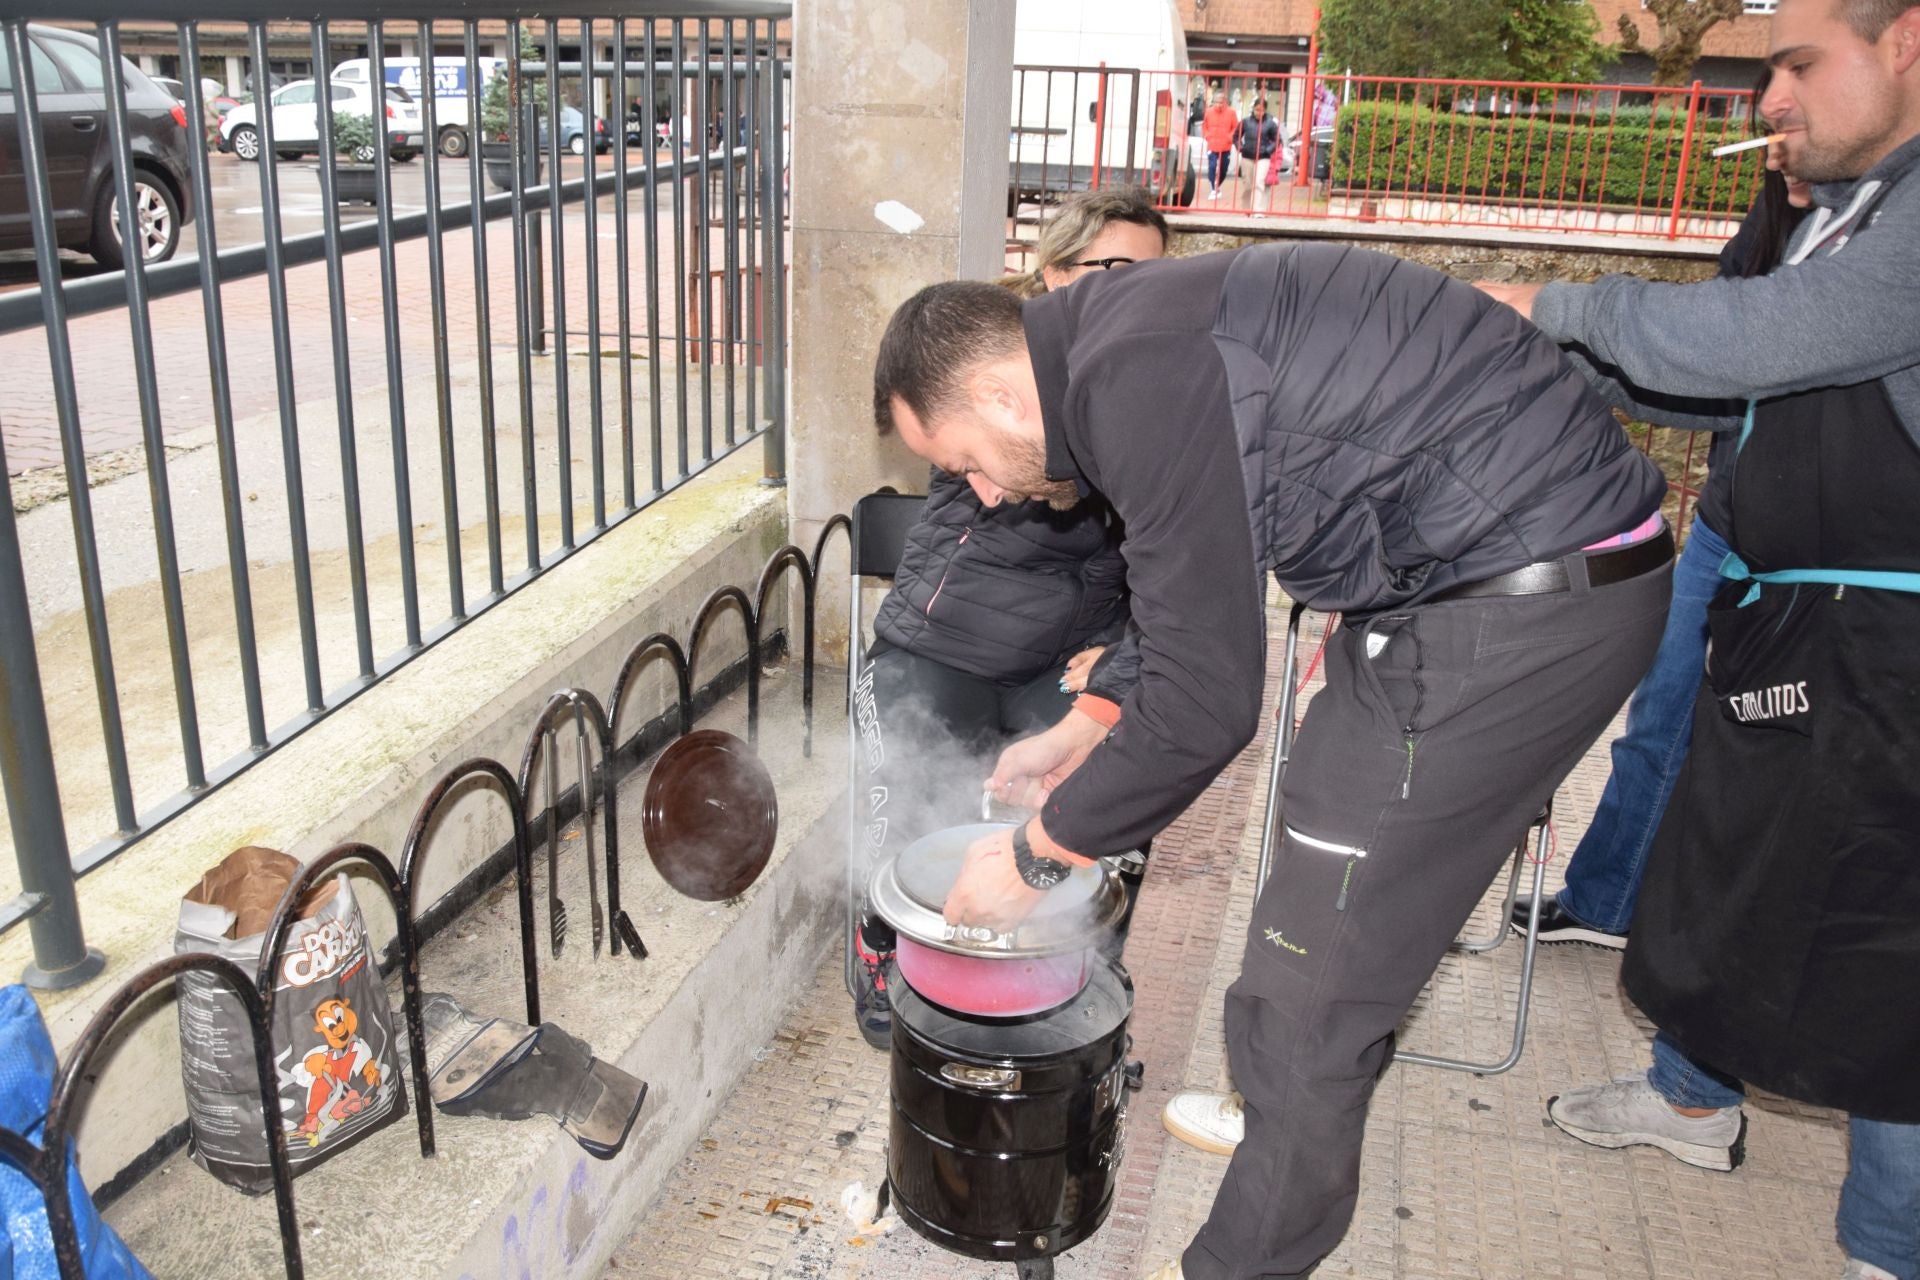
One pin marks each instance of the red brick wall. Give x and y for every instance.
(1248, 17)
(1744, 37)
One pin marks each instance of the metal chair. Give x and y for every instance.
(1536, 839)
(878, 534)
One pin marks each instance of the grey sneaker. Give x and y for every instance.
(1630, 1113)
(1858, 1270)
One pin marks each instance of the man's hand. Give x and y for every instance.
(1518, 296)
(989, 890)
(1031, 768)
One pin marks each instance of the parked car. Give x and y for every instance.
(209, 89)
(69, 85)
(296, 120)
(573, 132)
(449, 87)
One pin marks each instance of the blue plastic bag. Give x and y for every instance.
(27, 1065)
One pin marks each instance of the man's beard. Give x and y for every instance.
(1841, 160)
(1028, 482)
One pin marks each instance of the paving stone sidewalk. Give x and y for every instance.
(1461, 1177)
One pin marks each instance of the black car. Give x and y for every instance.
(70, 88)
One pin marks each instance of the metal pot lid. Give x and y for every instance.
(710, 815)
(908, 892)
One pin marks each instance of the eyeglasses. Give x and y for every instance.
(1105, 264)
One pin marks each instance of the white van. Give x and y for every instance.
(1120, 63)
(449, 88)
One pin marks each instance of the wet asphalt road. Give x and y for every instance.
(237, 206)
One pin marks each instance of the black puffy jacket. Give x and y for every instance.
(1004, 592)
(1369, 431)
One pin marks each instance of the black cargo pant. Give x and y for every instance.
(1415, 773)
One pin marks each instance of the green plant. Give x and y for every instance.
(1628, 162)
(353, 136)
(496, 103)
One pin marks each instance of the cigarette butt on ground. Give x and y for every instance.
(1748, 145)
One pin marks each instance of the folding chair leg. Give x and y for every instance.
(1540, 836)
(856, 826)
(1494, 940)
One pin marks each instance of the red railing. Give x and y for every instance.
(1626, 160)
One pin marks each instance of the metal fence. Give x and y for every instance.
(507, 299)
(1625, 160)
(603, 756)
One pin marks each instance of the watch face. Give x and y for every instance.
(1043, 873)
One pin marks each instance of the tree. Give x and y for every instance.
(1442, 38)
(1542, 40)
(1683, 23)
(1553, 41)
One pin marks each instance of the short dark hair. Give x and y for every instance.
(934, 339)
(1871, 18)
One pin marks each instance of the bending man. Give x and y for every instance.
(1388, 444)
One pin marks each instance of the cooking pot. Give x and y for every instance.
(1040, 964)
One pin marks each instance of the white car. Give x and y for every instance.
(296, 121)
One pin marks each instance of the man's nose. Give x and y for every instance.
(1776, 105)
(989, 493)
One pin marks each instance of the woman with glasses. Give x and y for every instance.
(997, 614)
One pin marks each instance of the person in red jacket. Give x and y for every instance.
(1218, 128)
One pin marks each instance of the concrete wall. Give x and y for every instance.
(900, 147)
(362, 773)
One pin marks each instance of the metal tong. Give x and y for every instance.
(557, 909)
(587, 806)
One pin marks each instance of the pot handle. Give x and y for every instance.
(985, 1079)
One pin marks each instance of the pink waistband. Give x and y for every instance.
(1639, 533)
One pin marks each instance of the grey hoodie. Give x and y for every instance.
(1834, 319)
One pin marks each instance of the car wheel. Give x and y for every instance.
(578, 145)
(157, 224)
(245, 141)
(286, 154)
(363, 154)
(453, 142)
(403, 155)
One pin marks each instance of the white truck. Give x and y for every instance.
(453, 129)
(1099, 85)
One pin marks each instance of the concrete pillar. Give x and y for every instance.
(236, 75)
(900, 121)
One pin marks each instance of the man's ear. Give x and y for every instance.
(1904, 32)
(993, 395)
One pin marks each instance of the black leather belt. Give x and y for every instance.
(1547, 576)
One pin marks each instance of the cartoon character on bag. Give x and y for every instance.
(329, 1072)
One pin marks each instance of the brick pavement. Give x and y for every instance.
(1460, 1176)
(103, 351)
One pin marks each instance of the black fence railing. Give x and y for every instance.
(669, 254)
(609, 758)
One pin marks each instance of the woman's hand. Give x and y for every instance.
(1079, 667)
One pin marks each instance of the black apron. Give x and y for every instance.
(1777, 937)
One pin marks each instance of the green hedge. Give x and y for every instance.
(1407, 149)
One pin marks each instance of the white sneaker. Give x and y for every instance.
(1172, 1272)
(1205, 1119)
(1856, 1270)
(1630, 1112)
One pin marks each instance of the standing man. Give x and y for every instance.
(1777, 936)
(1216, 130)
(1389, 444)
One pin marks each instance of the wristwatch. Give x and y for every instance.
(1039, 873)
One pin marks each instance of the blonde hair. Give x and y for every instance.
(1079, 219)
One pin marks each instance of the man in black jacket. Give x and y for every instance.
(1391, 446)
